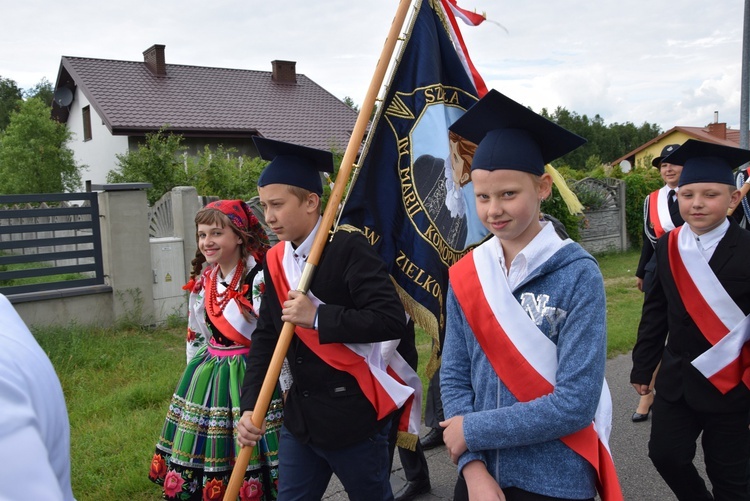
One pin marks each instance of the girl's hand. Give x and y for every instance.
(453, 436)
(481, 485)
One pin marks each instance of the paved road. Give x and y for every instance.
(628, 442)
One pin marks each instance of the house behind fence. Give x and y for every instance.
(129, 261)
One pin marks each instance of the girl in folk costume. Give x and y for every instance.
(197, 446)
(522, 377)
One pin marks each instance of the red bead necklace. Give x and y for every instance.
(221, 300)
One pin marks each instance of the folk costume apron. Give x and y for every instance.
(727, 363)
(384, 377)
(524, 358)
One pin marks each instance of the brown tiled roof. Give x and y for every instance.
(203, 101)
(731, 138)
(702, 134)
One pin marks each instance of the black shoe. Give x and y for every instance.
(638, 417)
(434, 438)
(410, 490)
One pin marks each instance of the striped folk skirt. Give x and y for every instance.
(197, 447)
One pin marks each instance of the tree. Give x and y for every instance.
(604, 141)
(43, 90)
(10, 99)
(34, 156)
(163, 161)
(158, 161)
(350, 103)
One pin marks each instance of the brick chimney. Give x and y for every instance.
(718, 129)
(284, 71)
(153, 57)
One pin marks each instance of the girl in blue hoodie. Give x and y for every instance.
(522, 375)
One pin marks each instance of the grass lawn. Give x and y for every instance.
(624, 300)
(118, 383)
(117, 386)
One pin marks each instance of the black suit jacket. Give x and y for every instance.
(664, 312)
(325, 406)
(647, 261)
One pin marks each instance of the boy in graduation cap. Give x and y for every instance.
(701, 297)
(337, 413)
(522, 374)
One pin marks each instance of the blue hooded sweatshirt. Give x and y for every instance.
(519, 441)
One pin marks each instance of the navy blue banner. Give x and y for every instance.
(413, 197)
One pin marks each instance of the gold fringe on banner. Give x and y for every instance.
(427, 321)
(407, 440)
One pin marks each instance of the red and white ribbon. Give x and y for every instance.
(524, 358)
(714, 311)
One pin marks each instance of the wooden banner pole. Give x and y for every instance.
(347, 164)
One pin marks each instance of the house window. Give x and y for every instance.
(86, 123)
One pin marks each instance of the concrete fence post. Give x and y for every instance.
(126, 254)
(621, 200)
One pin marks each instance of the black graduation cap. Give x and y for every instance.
(704, 162)
(511, 136)
(293, 164)
(665, 152)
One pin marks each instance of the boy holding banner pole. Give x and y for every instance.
(522, 379)
(701, 298)
(347, 380)
(347, 163)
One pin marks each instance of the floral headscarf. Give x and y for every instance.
(245, 221)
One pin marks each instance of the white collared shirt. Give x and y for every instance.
(301, 252)
(531, 257)
(708, 241)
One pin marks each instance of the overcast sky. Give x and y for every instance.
(659, 61)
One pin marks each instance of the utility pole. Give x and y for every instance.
(745, 92)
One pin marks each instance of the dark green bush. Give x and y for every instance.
(638, 184)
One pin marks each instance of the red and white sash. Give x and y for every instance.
(524, 358)
(364, 361)
(720, 320)
(658, 211)
(401, 371)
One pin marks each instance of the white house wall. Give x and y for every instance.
(99, 152)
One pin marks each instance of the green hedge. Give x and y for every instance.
(638, 184)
